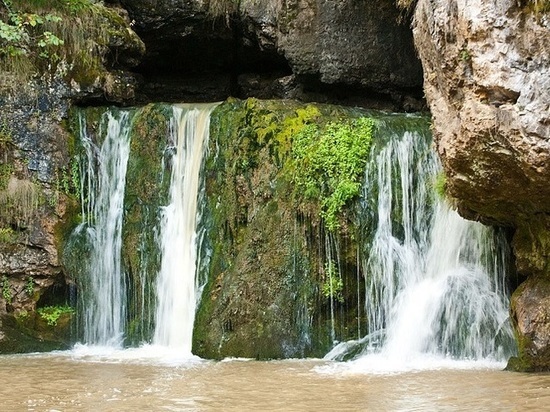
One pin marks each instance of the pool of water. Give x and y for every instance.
(131, 381)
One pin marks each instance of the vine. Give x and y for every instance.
(6, 289)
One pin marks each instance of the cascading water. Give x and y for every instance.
(434, 281)
(177, 286)
(107, 319)
(105, 172)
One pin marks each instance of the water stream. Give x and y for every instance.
(105, 170)
(435, 284)
(177, 286)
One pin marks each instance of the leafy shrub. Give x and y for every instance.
(333, 286)
(51, 314)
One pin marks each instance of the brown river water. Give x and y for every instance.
(71, 382)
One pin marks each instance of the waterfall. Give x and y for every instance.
(105, 175)
(434, 281)
(177, 288)
(97, 247)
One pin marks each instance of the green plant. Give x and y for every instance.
(7, 235)
(5, 136)
(75, 177)
(6, 289)
(440, 184)
(36, 34)
(51, 314)
(6, 169)
(21, 33)
(465, 55)
(330, 162)
(333, 286)
(64, 182)
(29, 286)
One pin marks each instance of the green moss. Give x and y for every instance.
(147, 189)
(440, 184)
(329, 163)
(8, 235)
(265, 239)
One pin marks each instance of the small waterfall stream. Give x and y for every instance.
(177, 288)
(103, 282)
(434, 281)
(105, 169)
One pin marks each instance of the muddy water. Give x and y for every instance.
(64, 382)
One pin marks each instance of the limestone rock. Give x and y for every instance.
(487, 82)
(531, 318)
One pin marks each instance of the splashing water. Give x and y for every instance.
(434, 281)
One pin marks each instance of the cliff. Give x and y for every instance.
(41, 77)
(313, 50)
(486, 79)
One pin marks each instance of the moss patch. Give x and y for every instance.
(147, 189)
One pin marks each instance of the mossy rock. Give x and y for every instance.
(267, 243)
(530, 306)
(21, 335)
(147, 189)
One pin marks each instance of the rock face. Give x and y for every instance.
(530, 314)
(329, 49)
(487, 82)
(268, 252)
(38, 177)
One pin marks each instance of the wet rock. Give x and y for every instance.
(531, 317)
(486, 77)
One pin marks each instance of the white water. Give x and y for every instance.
(434, 287)
(104, 310)
(435, 292)
(177, 287)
